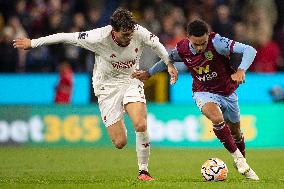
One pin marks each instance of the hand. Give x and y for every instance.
(173, 73)
(239, 76)
(22, 43)
(141, 75)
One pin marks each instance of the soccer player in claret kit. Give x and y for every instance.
(117, 49)
(215, 80)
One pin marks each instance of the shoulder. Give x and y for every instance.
(182, 43)
(141, 31)
(97, 34)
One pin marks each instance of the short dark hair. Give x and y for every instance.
(197, 28)
(122, 20)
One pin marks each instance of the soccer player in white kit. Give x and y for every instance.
(117, 49)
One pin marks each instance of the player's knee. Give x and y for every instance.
(217, 120)
(141, 126)
(119, 144)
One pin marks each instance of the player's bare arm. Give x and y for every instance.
(22, 43)
(239, 76)
(142, 75)
(145, 75)
(172, 70)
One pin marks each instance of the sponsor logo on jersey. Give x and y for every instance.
(82, 35)
(200, 70)
(207, 77)
(208, 55)
(127, 64)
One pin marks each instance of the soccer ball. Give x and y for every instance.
(214, 169)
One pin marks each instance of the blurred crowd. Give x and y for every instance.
(259, 23)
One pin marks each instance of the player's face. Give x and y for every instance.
(124, 37)
(199, 43)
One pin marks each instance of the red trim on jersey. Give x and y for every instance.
(232, 46)
(113, 38)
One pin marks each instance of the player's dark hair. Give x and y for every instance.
(197, 28)
(122, 20)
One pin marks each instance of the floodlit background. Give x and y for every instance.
(31, 120)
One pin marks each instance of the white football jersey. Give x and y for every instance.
(114, 64)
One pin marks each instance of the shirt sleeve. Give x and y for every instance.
(161, 66)
(225, 46)
(54, 39)
(158, 67)
(153, 42)
(174, 56)
(85, 39)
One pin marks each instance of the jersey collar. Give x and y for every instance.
(191, 48)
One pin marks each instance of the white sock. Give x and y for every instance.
(237, 154)
(143, 149)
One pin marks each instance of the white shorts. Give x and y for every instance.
(112, 98)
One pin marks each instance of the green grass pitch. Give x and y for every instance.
(34, 167)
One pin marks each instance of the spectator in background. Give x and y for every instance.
(22, 13)
(179, 33)
(9, 56)
(150, 21)
(167, 30)
(94, 18)
(19, 32)
(207, 10)
(279, 38)
(261, 17)
(63, 90)
(223, 23)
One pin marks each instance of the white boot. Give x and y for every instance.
(243, 168)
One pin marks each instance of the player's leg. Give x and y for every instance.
(110, 100)
(237, 135)
(138, 115)
(213, 112)
(209, 104)
(117, 134)
(231, 114)
(239, 140)
(223, 133)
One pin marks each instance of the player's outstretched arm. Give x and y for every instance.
(158, 67)
(22, 43)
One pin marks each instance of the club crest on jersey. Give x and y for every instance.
(112, 55)
(208, 55)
